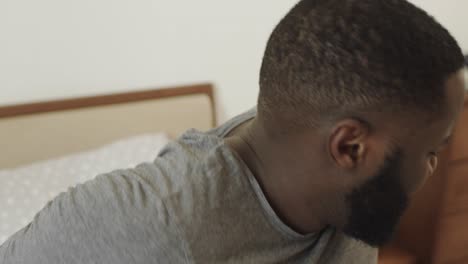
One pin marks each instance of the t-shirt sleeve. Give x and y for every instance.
(115, 218)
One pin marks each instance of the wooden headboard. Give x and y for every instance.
(43, 130)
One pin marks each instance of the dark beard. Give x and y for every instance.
(377, 206)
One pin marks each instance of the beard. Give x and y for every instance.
(377, 205)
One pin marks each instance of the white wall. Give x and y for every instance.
(61, 48)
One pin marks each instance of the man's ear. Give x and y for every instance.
(348, 142)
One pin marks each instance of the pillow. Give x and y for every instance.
(26, 190)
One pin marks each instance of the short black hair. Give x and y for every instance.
(332, 57)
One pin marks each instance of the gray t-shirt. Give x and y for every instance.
(196, 203)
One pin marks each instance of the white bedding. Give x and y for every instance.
(24, 191)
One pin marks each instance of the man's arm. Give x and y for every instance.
(114, 218)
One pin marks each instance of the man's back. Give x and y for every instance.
(196, 203)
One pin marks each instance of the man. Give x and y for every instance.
(357, 97)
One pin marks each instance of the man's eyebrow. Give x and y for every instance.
(446, 140)
(444, 143)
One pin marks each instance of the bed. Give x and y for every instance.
(43, 130)
(51, 146)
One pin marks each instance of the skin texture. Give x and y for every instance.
(326, 176)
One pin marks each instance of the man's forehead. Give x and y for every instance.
(455, 92)
(455, 97)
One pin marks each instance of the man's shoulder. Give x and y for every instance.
(118, 213)
(226, 127)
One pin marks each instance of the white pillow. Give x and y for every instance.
(25, 191)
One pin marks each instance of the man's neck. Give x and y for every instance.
(270, 168)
